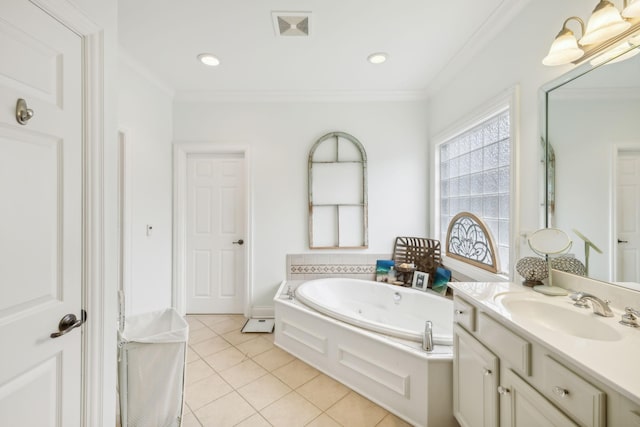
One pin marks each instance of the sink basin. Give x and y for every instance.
(568, 320)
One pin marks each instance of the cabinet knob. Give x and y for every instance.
(486, 372)
(503, 391)
(562, 392)
(459, 312)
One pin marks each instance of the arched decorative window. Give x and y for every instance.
(469, 240)
(338, 206)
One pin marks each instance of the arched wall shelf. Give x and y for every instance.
(338, 203)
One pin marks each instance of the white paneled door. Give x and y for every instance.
(628, 217)
(40, 218)
(215, 228)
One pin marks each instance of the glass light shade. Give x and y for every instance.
(564, 50)
(633, 10)
(605, 22)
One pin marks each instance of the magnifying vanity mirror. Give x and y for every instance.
(547, 242)
(591, 131)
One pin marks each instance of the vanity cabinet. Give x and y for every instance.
(475, 378)
(504, 377)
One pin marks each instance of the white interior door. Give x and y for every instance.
(215, 230)
(628, 217)
(40, 218)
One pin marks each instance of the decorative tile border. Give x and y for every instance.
(332, 269)
(317, 266)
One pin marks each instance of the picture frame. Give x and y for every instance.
(420, 280)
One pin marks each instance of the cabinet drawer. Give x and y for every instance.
(464, 314)
(508, 345)
(573, 394)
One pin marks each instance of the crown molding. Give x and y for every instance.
(501, 16)
(299, 96)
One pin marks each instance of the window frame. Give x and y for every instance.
(508, 100)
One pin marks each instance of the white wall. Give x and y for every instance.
(512, 58)
(145, 119)
(280, 135)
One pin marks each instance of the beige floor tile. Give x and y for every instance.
(192, 356)
(324, 420)
(190, 420)
(194, 324)
(197, 370)
(291, 411)
(323, 391)
(227, 326)
(296, 373)
(200, 335)
(210, 346)
(264, 391)
(225, 359)
(210, 319)
(236, 337)
(243, 373)
(255, 346)
(205, 391)
(227, 411)
(256, 420)
(273, 359)
(356, 411)
(271, 337)
(392, 421)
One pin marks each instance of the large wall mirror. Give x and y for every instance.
(591, 127)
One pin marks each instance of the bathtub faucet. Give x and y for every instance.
(290, 294)
(427, 337)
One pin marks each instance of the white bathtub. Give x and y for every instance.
(379, 307)
(353, 331)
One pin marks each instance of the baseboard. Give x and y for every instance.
(263, 312)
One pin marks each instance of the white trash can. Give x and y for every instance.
(151, 369)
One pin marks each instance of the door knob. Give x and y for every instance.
(239, 242)
(23, 114)
(68, 323)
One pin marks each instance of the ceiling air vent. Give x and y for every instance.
(291, 24)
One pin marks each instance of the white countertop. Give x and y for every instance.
(615, 363)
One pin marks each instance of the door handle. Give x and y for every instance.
(68, 323)
(623, 241)
(238, 242)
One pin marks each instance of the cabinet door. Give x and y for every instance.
(522, 406)
(475, 382)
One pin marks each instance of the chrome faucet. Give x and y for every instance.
(600, 307)
(427, 337)
(290, 293)
(630, 317)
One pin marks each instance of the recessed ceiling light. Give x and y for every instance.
(208, 59)
(377, 58)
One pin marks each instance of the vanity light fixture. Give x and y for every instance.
(209, 59)
(564, 48)
(378, 57)
(632, 10)
(605, 27)
(605, 22)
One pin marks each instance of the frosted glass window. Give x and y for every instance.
(475, 176)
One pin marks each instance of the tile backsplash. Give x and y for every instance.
(318, 266)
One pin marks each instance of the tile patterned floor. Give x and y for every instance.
(236, 379)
